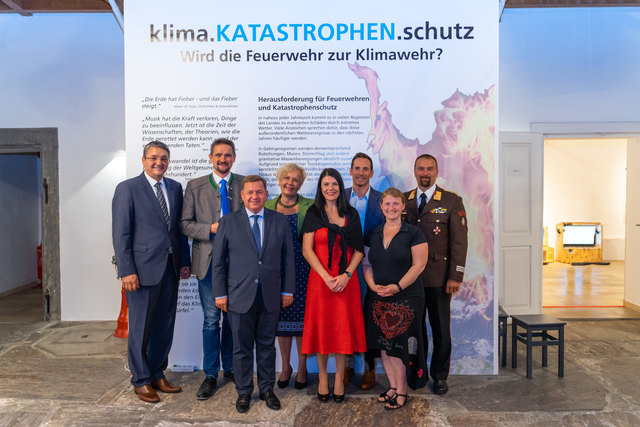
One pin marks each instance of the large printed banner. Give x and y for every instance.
(314, 83)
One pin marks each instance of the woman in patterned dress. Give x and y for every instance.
(396, 256)
(290, 178)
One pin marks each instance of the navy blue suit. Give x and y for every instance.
(253, 282)
(141, 240)
(372, 218)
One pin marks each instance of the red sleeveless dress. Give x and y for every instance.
(333, 321)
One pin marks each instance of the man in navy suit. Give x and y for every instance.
(150, 253)
(366, 200)
(253, 269)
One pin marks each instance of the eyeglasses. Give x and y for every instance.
(156, 158)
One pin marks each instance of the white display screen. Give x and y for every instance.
(579, 235)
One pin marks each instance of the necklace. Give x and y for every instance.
(287, 206)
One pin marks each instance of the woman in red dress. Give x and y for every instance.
(333, 246)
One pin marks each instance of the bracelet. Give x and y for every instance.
(399, 287)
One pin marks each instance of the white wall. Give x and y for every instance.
(19, 220)
(569, 65)
(585, 180)
(67, 71)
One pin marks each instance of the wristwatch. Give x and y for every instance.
(348, 274)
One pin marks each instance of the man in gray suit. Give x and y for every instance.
(253, 276)
(206, 200)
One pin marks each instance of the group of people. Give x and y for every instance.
(351, 271)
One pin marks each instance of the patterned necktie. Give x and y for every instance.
(163, 206)
(423, 201)
(256, 232)
(224, 198)
(162, 202)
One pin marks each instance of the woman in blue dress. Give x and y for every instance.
(290, 178)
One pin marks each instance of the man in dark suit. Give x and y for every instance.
(151, 253)
(441, 216)
(366, 200)
(253, 276)
(206, 200)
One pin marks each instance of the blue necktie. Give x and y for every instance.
(423, 201)
(224, 198)
(256, 232)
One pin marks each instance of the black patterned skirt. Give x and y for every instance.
(393, 324)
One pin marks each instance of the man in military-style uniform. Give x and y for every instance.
(441, 216)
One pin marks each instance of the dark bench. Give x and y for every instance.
(502, 334)
(536, 334)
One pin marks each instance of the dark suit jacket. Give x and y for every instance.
(373, 216)
(201, 209)
(140, 235)
(444, 224)
(237, 265)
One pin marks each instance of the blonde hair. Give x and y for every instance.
(291, 167)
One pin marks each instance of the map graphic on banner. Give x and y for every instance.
(314, 84)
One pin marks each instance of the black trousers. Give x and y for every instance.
(437, 306)
(255, 327)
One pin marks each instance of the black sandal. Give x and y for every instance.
(394, 402)
(385, 396)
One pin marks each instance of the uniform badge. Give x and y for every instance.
(436, 230)
(437, 195)
(438, 210)
(462, 213)
(463, 221)
(412, 195)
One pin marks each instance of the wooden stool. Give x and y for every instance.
(502, 334)
(536, 326)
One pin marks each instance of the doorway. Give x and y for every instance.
(43, 142)
(20, 227)
(583, 218)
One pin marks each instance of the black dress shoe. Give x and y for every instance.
(271, 400)
(243, 403)
(207, 388)
(230, 376)
(338, 398)
(324, 397)
(440, 387)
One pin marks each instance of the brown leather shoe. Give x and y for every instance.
(348, 374)
(146, 393)
(368, 380)
(163, 385)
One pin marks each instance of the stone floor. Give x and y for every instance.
(73, 374)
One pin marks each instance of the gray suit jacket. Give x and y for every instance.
(200, 209)
(237, 266)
